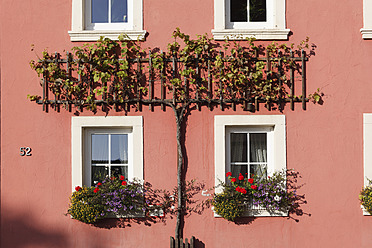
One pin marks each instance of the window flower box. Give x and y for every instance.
(253, 196)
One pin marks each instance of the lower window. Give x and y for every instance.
(108, 154)
(249, 145)
(106, 146)
(247, 149)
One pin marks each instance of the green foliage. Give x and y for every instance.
(228, 205)
(112, 71)
(86, 206)
(365, 197)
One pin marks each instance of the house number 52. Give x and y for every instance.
(25, 151)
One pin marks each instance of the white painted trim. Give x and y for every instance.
(366, 31)
(367, 147)
(275, 31)
(80, 33)
(77, 131)
(279, 162)
(259, 34)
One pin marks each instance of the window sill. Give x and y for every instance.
(365, 213)
(261, 213)
(94, 35)
(366, 33)
(258, 34)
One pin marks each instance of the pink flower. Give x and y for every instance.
(229, 174)
(233, 179)
(250, 180)
(77, 188)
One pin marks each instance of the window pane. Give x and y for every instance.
(236, 169)
(257, 10)
(119, 11)
(258, 147)
(238, 147)
(119, 148)
(98, 174)
(100, 148)
(238, 11)
(259, 170)
(119, 170)
(100, 11)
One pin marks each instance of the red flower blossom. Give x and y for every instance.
(243, 191)
(99, 184)
(229, 174)
(250, 180)
(96, 190)
(233, 179)
(124, 183)
(241, 177)
(253, 187)
(238, 189)
(122, 178)
(77, 188)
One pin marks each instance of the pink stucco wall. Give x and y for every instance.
(324, 143)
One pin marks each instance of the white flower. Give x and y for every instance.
(277, 198)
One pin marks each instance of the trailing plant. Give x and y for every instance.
(109, 198)
(365, 197)
(116, 197)
(244, 193)
(112, 73)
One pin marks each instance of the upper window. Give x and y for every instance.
(108, 15)
(367, 20)
(110, 18)
(249, 144)
(237, 19)
(106, 146)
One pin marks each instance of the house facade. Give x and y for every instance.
(46, 154)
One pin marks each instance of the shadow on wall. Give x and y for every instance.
(19, 230)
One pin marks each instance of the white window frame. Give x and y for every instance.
(273, 29)
(366, 31)
(276, 141)
(367, 147)
(78, 127)
(82, 31)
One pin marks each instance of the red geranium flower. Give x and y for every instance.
(124, 183)
(254, 187)
(241, 177)
(250, 180)
(243, 191)
(238, 189)
(99, 184)
(229, 174)
(77, 188)
(233, 179)
(122, 178)
(96, 190)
